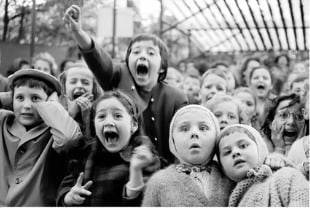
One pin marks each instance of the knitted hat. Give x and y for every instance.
(252, 133)
(185, 109)
(50, 80)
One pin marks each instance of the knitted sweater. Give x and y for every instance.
(170, 188)
(286, 187)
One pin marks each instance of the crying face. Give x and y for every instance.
(113, 124)
(144, 63)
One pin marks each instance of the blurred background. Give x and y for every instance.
(201, 32)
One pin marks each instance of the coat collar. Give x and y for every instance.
(19, 131)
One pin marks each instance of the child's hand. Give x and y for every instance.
(141, 158)
(85, 101)
(77, 194)
(277, 137)
(72, 18)
(275, 161)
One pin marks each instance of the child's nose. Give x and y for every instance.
(194, 133)
(27, 103)
(235, 152)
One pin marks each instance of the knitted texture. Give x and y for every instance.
(286, 187)
(170, 188)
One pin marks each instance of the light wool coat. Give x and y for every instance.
(169, 188)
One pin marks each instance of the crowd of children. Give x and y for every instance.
(140, 133)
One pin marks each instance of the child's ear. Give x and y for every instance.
(134, 126)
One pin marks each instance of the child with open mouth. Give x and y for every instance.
(142, 76)
(109, 170)
(284, 123)
(79, 90)
(241, 152)
(261, 84)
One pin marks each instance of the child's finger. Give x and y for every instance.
(88, 185)
(80, 179)
(78, 199)
(84, 192)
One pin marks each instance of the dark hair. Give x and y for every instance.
(282, 55)
(16, 65)
(125, 99)
(162, 49)
(300, 78)
(244, 66)
(272, 111)
(260, 67)
(32, 83)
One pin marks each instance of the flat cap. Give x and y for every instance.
(50, 80)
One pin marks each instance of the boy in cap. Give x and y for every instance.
(33, 139)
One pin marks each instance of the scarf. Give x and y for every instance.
(254, 175)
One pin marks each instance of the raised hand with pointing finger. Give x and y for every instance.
(78, 193)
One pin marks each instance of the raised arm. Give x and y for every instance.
(97, 59)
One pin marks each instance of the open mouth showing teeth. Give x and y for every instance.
(142, 69)
(111, 136)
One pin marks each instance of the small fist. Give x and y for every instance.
(72, 18)
(142, 157)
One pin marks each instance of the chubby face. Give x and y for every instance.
(291, 118)
(248, 103)
(113, 124)
(194, 137)
(211, 85)
(43, 65)
(191, 86)
(23, 99)
(78, 82)
(226, 114)
(238, 154)
(145, 63)
(261, 82)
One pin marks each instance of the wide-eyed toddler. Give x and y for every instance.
(195, 180)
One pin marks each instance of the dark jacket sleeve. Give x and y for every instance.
(75, 164)
(100, 63)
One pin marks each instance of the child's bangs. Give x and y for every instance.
(32, 83)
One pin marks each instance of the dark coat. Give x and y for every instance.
(161, 103)
(108, 171)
